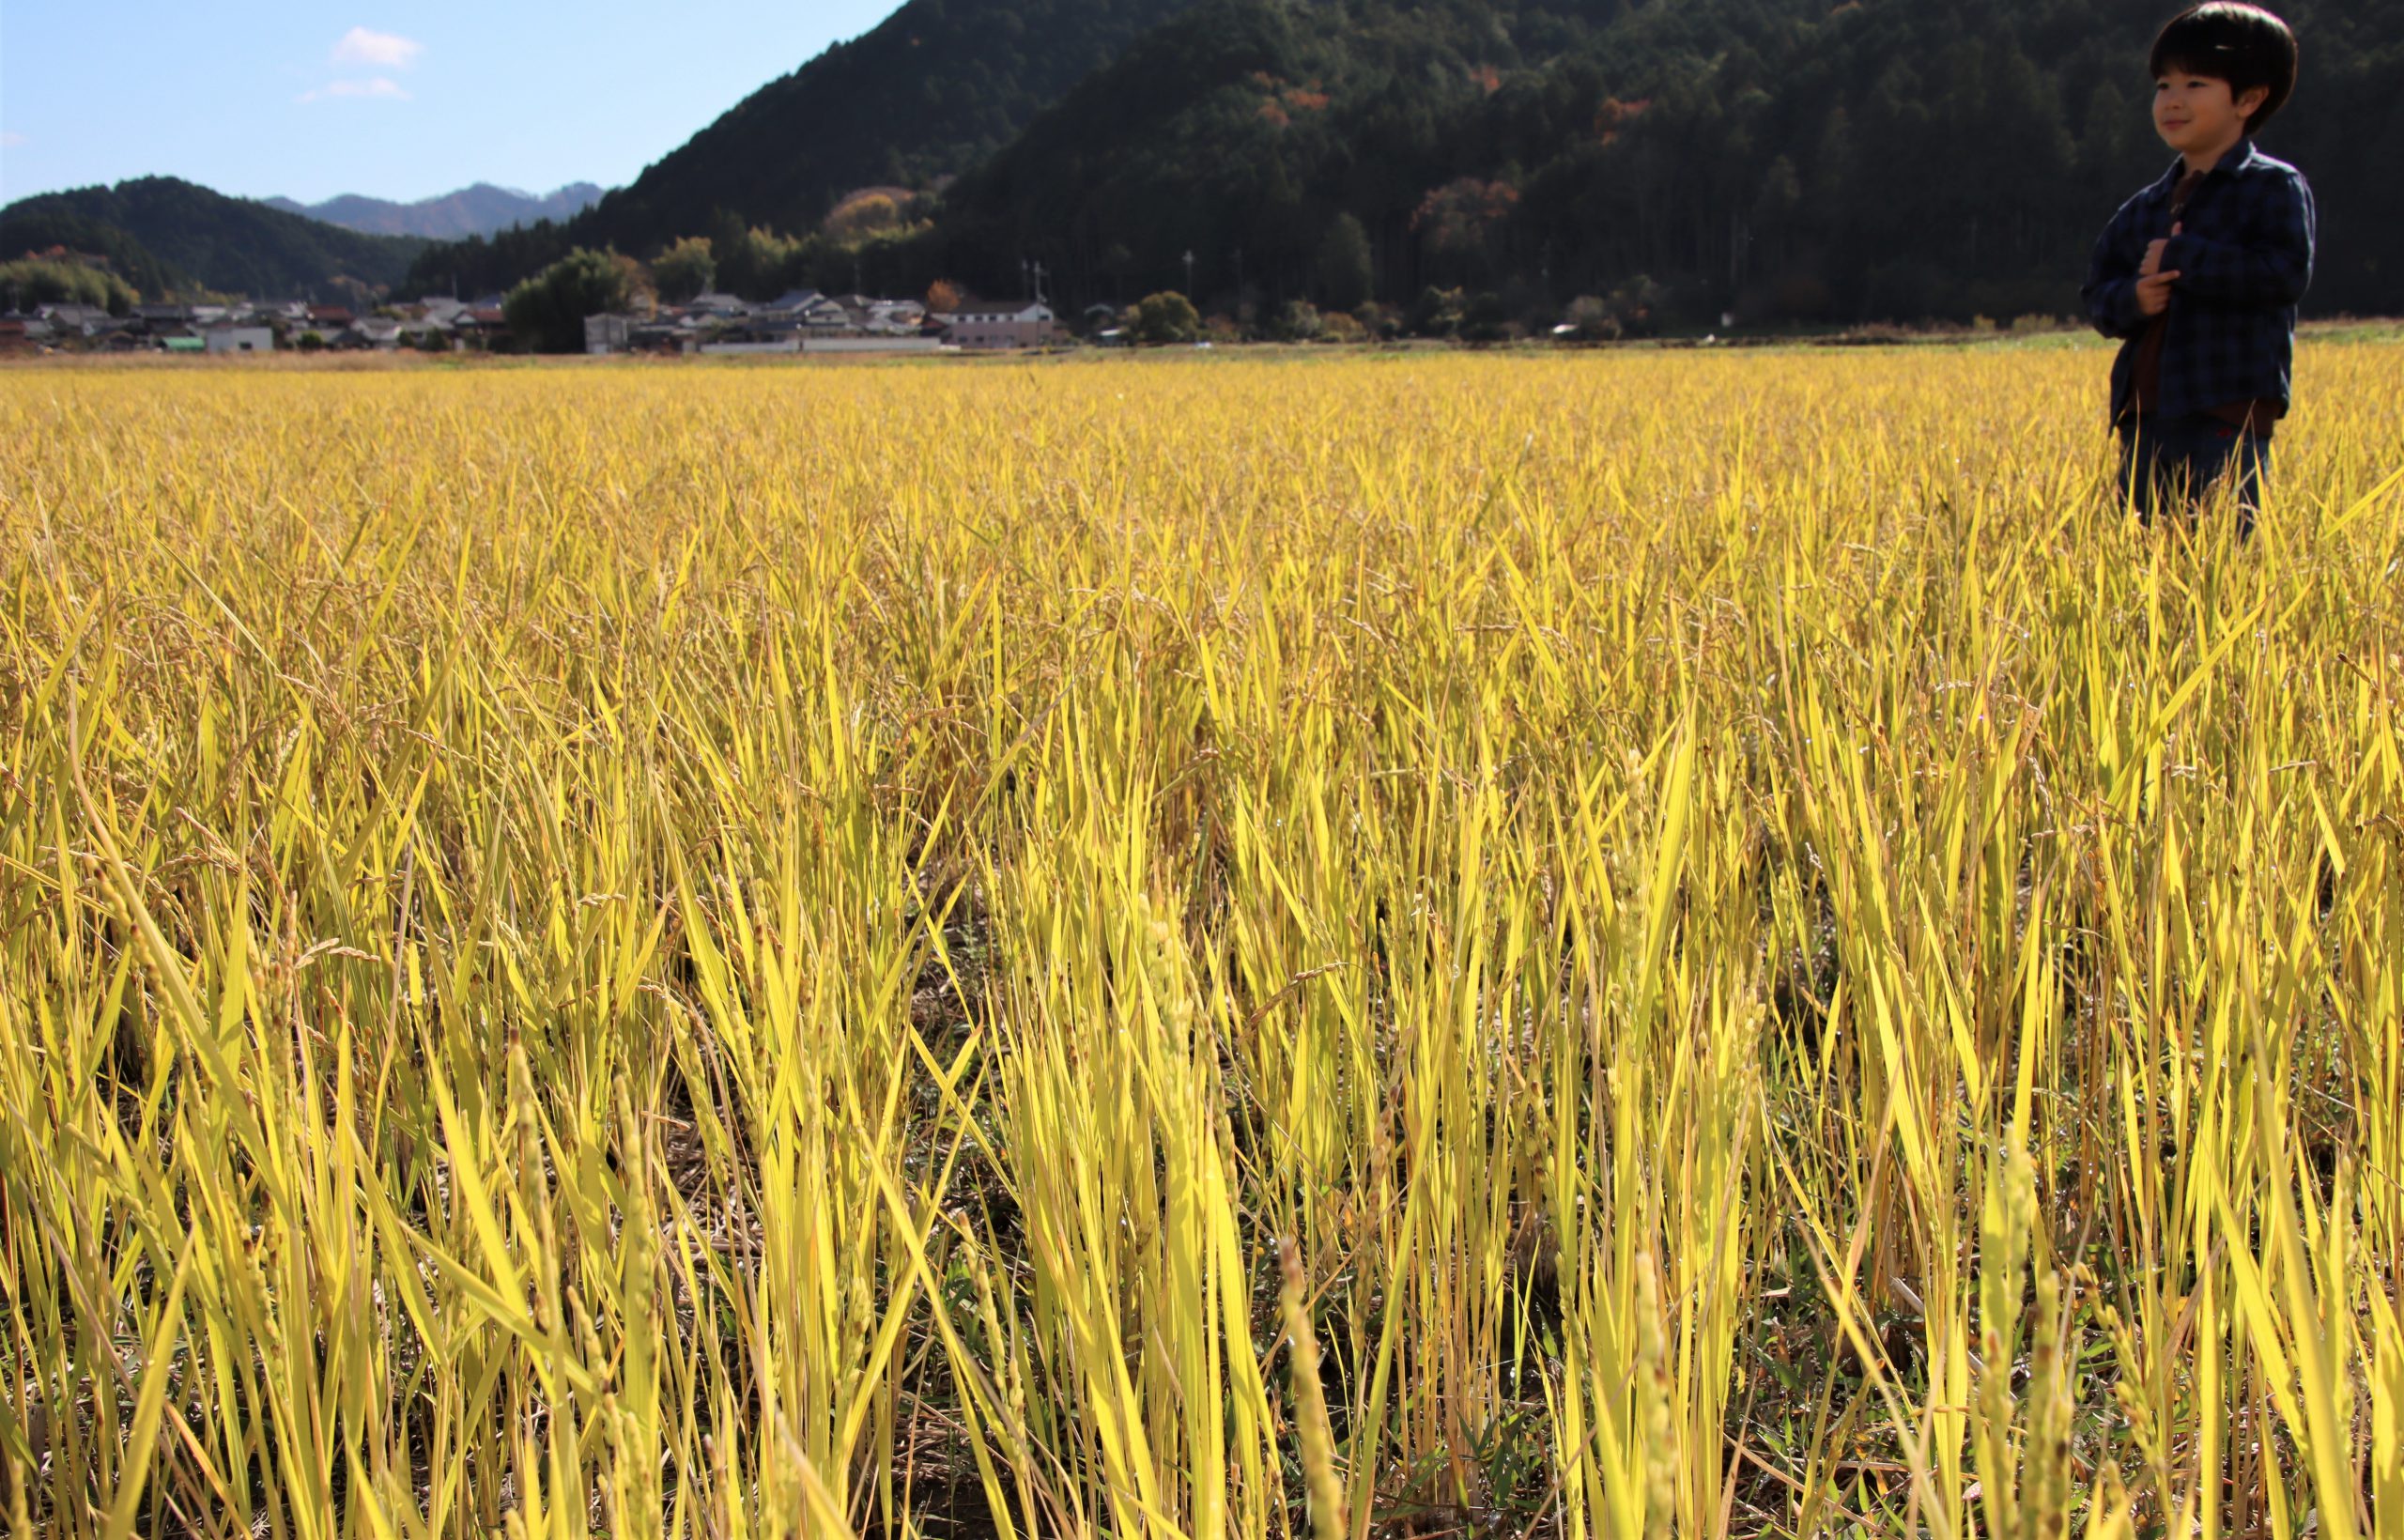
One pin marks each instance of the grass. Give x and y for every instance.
(1637, 944)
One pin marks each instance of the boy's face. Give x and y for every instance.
(2198, 113)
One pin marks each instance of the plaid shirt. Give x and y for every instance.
(2243, 258)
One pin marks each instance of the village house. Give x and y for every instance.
(276, 312)
(480, 323)
(792, 305)
(374, 331)
(990, 324)
(76, 320)
(662, 335)
(609, 333)
(894, 318)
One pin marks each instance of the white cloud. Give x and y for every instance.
(376, 50)
(380, 88)
(13, 141)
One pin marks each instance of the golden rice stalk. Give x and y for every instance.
(1310, 1402)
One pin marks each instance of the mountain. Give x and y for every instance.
(33, 227)
(922, 94)
(1788, 160)
(920, 97)
(477, 210)
(190, 236)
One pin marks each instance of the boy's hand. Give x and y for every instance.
(2152, 263)
(2153, 292)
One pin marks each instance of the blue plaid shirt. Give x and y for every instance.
(2244, 257)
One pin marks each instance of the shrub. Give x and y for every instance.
(1298, 320)
(1167, 317)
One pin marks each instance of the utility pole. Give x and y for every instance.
(1189, 272)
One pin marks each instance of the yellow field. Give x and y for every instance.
(804, 951)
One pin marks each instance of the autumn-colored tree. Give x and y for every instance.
(634, 283)
(1455, 217)
(864, 213)
(943, 297)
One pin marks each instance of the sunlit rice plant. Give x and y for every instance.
(1643, 944)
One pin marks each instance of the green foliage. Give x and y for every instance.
(40, 227)
(547, 312)
(1485, 319)
(164, 234)
(1167, 317)
(482, 265)
(1347, 275)
(1298, 320)
(1437, 313)
(38, 281)
(1334, 326)
(684, 269)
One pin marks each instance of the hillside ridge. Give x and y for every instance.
(177, 234)
(480, 209)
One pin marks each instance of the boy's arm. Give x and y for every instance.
(2111, 287)
(2273, 267)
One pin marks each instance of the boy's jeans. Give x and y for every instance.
(2170, 463)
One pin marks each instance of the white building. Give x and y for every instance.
(239, 339)
(608, 333)
(981, 323)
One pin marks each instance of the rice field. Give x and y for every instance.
(1639, 945)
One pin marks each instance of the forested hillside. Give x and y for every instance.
(1788, 160)
(1885, 159)
(40, 224)
(930, 90)
(162, 234)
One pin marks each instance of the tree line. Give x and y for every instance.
(1780, 160)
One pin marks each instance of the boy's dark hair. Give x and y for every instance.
(2242, 44)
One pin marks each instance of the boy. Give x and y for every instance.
(2200, 274)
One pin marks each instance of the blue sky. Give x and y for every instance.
(396, 100)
